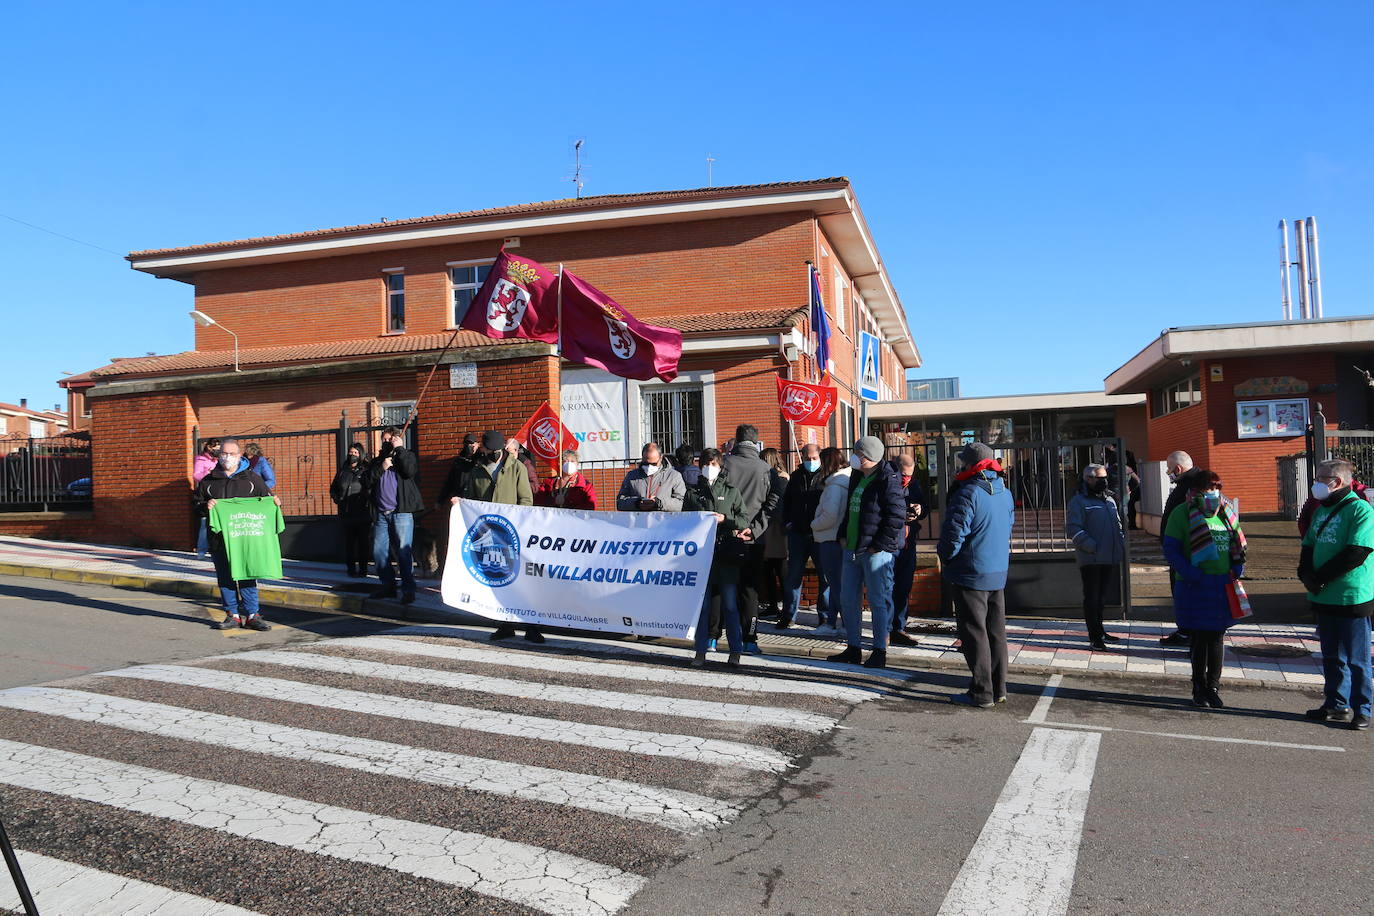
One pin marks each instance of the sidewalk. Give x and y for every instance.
(1278, 655)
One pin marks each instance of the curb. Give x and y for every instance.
(296, 599)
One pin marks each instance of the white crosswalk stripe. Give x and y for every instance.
(551, 882)
(712, 751)
(702, 710)
(562, 664)
(682, 811)
(63, 888)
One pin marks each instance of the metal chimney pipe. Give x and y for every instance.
(1314, 268)
(1300, 237)
(1285, 268)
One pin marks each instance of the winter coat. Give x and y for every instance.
(722, 497)
(800, 499)
(1093, 524)
(202, 465)
(579, 494)
(882, 511)
(975, 539)
(775, 538)
(1200, 598)
(457, 477)
(348, 490)
(407, 469)
(220, 484)
(753, 477)
(263, 468)
(915, 496)
(510, 486)
(666, 485)
(825, 524)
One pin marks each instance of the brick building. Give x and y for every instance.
(20, 421)
(1238, 398)
(350, 320)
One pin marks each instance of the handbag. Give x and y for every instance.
(1237, 600)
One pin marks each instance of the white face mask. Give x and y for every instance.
(711, 472)
(229, 462)
(856, 462)
(650, 469)
(1321, 491)
(570, 468)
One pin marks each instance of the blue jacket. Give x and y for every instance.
(263, 468)
(1094, 525)
(975, 540)
(1200, 599)
(882, 511)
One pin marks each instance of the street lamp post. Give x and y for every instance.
(206, 321)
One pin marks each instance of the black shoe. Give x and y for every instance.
(1099, 645)
(1110, 638)
(383, 592)
(408, 598)
(257, 623)
(1359, 723)
(1175, 640)
(504, 631)
(967, 699)
(876, 659)
(533, 635)
(901, 639)
(783, 623)
(850, 656)
(229, 623)
(1326, 714)
(353, 569)
(1200, 698)
(1214, 698)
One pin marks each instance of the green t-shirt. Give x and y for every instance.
(1177, 527)
(851, 531)
(1334, 528)
(250, 526)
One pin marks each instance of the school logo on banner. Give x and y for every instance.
(491, 551)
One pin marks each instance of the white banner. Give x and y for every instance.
(594, 411)
(623, 572)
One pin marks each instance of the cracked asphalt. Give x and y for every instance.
(340, 765)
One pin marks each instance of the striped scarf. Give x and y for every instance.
(1202, 547)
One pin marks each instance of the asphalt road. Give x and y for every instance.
(425, 771)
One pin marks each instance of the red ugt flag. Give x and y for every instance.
(597, 331)
(518, 299)
(806, 405)
(545, 435)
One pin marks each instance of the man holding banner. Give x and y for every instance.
(498, 477)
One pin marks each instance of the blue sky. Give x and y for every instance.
(1050, 184)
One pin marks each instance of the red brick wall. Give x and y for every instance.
(55, 526)
(729, 265)
(303, 403)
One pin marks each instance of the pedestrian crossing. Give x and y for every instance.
(418, 771)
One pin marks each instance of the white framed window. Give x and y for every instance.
(465, 278)
(395, 413)
(395, 279)
(673, 415)
(1283, 418)
(840, 287)
(38, 429)
(1178, 396)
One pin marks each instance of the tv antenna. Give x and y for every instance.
(576, 178)
(710, 171)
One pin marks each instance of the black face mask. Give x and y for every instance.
(354, 459)
(1097, 485)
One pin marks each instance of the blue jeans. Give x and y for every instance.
(240, 598)
(394, 531)
(799, 547)
(870, 572)
(729, 612)
(832, 563)
(1345, 661)
(203, 538)
(903, 574)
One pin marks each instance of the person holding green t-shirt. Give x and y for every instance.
(1205, 547)
(1339, 580)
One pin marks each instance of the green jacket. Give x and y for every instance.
(721, 497)
(510, 487)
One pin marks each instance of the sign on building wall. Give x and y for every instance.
(462, 375)
(1270, 386)
(870, 367)
(595, 410)
(1264, 419)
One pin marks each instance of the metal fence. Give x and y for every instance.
(47, 474)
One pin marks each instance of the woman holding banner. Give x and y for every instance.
(714, 493)
(569, 490)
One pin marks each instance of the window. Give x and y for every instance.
(674, 416)
(465, 280)
(37, 429)
(1271, 419)
(396, 413)
(395, 300)
(840, 287)
(1178, 396)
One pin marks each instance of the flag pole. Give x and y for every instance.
(558, 370)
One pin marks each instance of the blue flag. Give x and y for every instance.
(820, 326)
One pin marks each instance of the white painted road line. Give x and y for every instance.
(539, 661)
(711, 751)
(1025, 857)
(676, 810)
(552, 882)
(61, 887)
(700, 710)
(1042, 705)
(1255, 741)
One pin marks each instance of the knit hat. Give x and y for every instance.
(493, 440)
(974, 452)
(871, 447)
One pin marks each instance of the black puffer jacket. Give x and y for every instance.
(220, 484)
(801, 498)
(349, 489)
(882, 511)
(407, 469)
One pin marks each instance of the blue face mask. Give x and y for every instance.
(1211, 502)
(812, 464)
